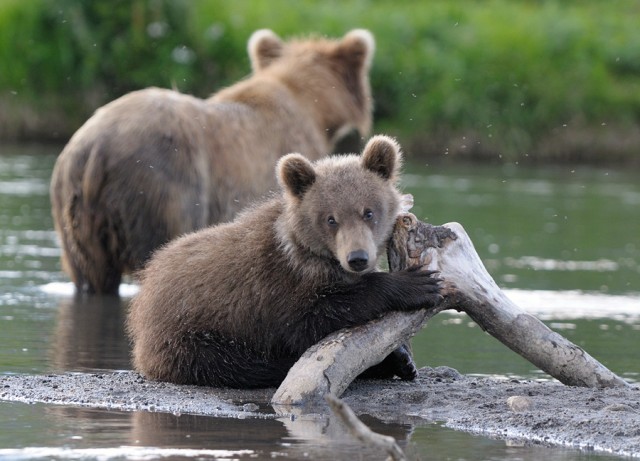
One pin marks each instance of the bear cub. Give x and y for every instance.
(237, 304)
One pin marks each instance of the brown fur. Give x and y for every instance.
(155, 164)
(236, 304)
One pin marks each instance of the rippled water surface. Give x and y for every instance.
(563, 243)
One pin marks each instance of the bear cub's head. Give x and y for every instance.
(343, 207)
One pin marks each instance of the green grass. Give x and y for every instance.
(497, 78)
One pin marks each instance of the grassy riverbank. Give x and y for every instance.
(498, 79)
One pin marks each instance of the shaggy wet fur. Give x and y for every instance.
(237, 304)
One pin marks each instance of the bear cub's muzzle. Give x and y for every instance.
(358, 260)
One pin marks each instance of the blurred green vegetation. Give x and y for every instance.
(495, 79)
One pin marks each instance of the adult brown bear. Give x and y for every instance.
(155, 164)
(237, 304)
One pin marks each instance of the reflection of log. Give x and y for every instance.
(360, 430)
(333, 363)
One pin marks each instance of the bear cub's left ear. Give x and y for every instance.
(295, 174)
(383, 156)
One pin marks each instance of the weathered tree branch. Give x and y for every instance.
(473, 291)
(332, 364)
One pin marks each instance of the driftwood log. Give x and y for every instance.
(332, 364)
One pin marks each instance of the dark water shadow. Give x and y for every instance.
(90, 335)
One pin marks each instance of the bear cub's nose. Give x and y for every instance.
(358, 260)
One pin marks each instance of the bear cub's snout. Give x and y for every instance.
(358, 260)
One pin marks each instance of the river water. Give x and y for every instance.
(562, 242)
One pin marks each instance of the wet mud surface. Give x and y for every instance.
(524, 411)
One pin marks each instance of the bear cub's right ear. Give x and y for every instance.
(383, 156)
(295, 174)
(264, 47)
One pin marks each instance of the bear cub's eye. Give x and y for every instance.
(332, 221)
(367, 215)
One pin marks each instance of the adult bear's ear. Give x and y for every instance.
(295, 175)
(357, 47)
(264, 47)
(383, 156)
(352, 56)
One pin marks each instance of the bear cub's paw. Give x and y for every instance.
(399, 363)
(417, 288)
(405, 367)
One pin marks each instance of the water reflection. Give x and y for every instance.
(58, 432)
(90, 334)
(71, 432)
(311, 437)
